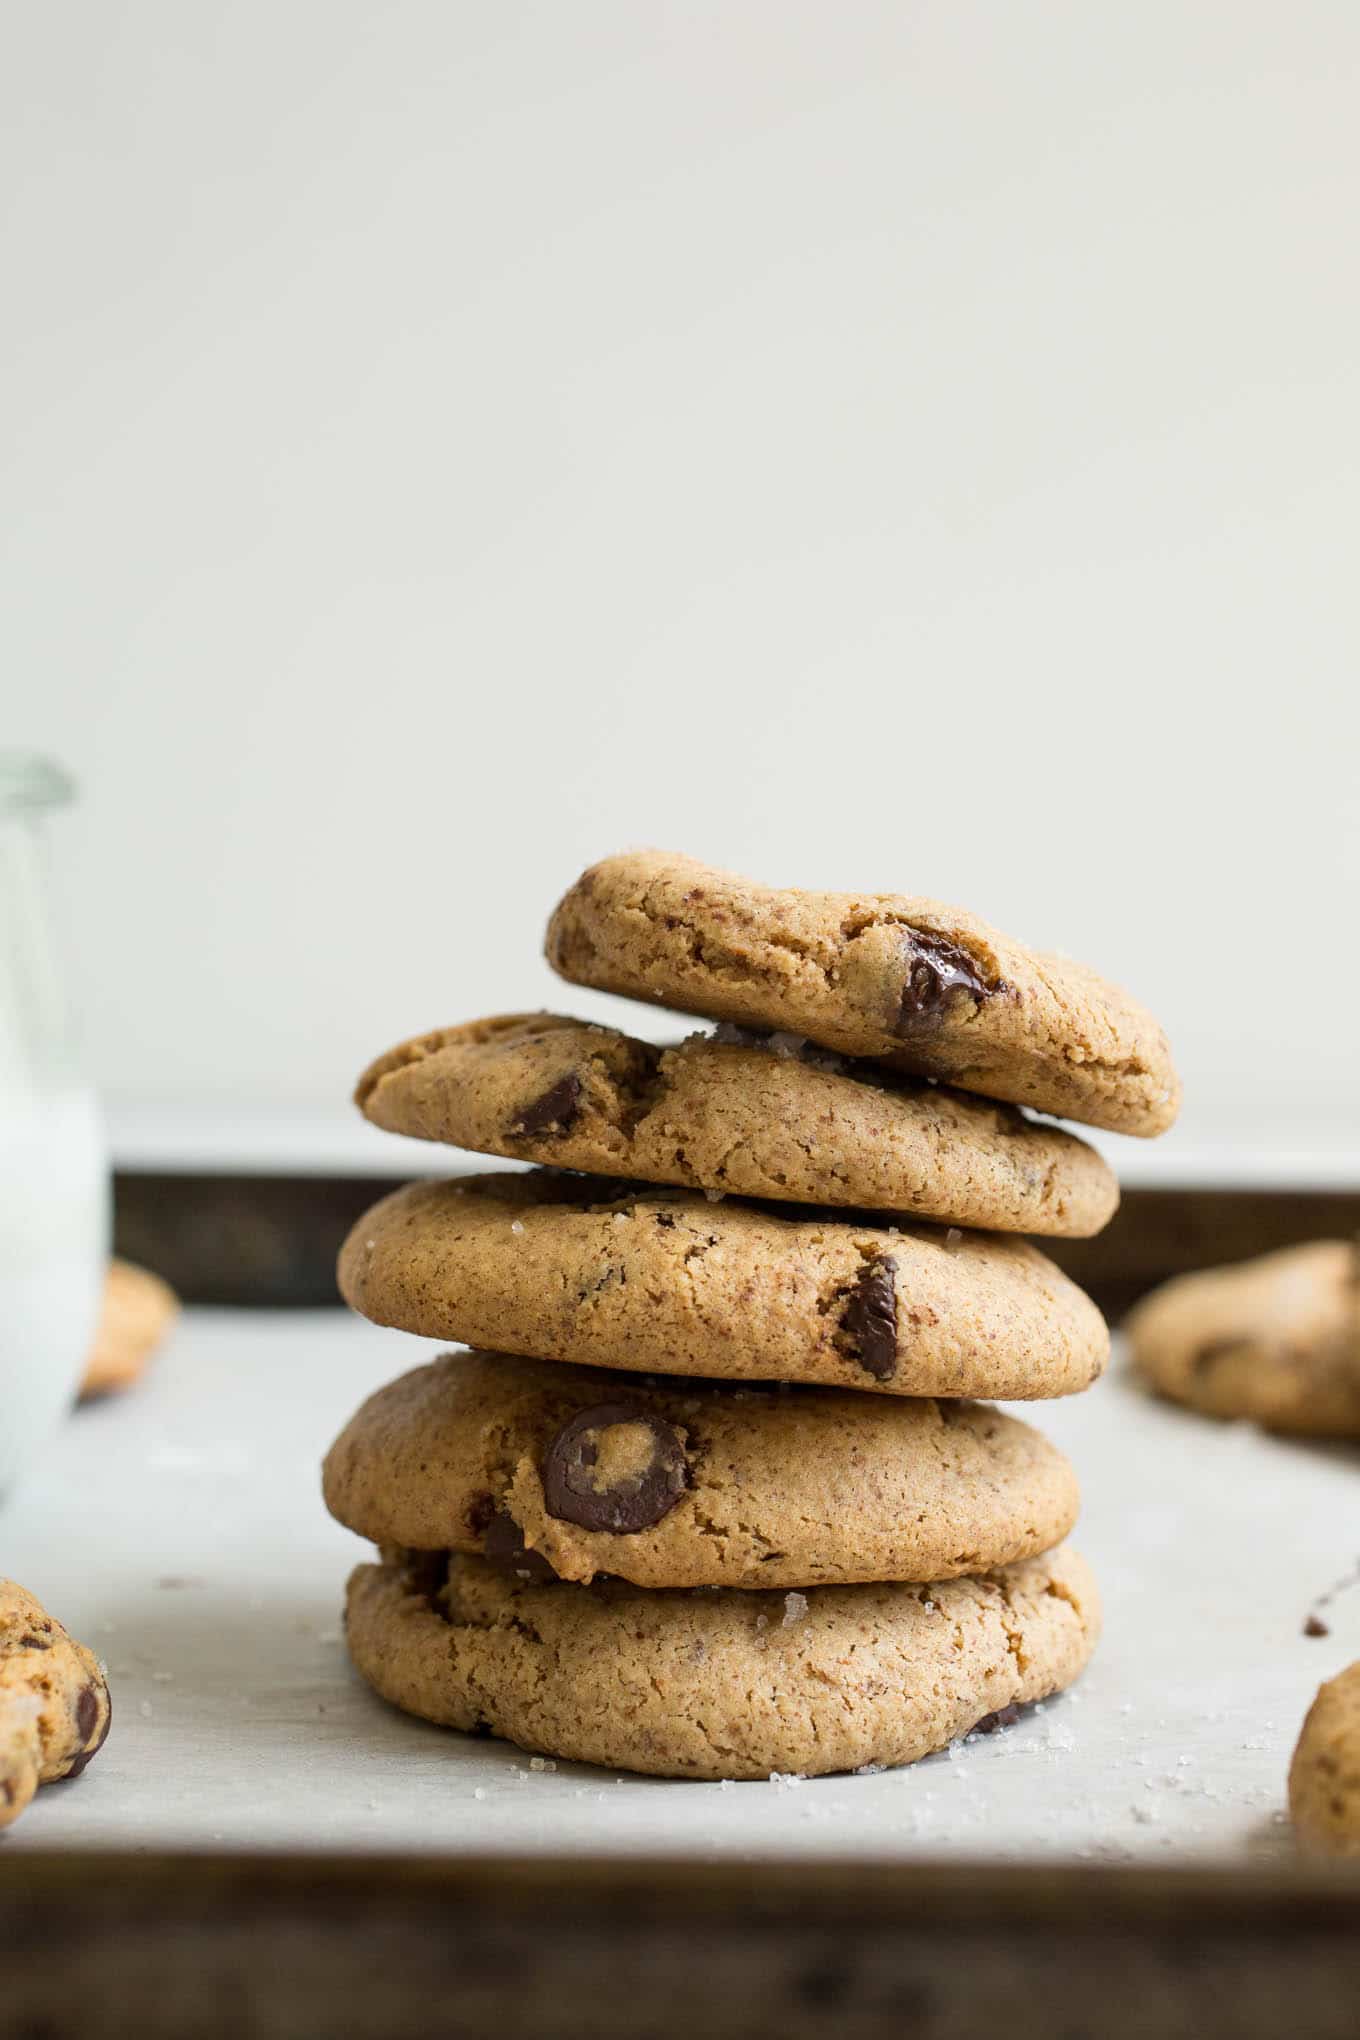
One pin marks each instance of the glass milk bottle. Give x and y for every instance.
(53, 1175)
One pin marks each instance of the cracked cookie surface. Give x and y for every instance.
(1324, 1777)
(648, 1279)
(766, 1117)
(921, 986)
(1275, 1340)
(54, 1701)
(772, 1487)
(721, 1684)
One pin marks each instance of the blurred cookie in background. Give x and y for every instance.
(134, 1320)
(1275, 1340)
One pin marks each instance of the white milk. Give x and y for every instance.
(54, 1226)
(54, 1218)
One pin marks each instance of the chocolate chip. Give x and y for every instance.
(503, 1546)
(938, 975)
(1004, 1717)
(868, 1326)
(621, 1484)
(87, 1717)
(479, 1513)
(555, 1111)
(1315, 1626)
(425, 1572)
(87, 1712)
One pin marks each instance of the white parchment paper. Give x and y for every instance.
(179, 1531)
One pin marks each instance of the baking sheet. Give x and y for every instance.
(179, 1531)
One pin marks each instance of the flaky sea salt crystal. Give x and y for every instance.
(542, 1764)
(762, 1622)
(479, 1792)
(724, 1784)
(784, 1781)
(715, 1196)
(621, 1217)
(517, 1225)
(795, 1609)
(953, 1238)
(869, 1770)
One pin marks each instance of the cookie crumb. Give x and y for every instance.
(1315, 1626)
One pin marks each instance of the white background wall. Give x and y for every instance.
(902, 445)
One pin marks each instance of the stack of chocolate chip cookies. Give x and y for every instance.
(712, 1496)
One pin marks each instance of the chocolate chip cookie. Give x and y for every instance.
(1275, 1340)
(54, 1701)
(924, 987)
(719, 1684)
(645, 1279)
(137, 1314)
(761, 1115)
(669, 1483)
(1324, 1777)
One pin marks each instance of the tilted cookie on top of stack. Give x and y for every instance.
(711, 1497)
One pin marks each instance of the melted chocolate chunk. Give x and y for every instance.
(555, 1111)
(634, 1488)
(504, 1546)
(869, 1320)
(938, 975)
(87, 1712)
(87, 1715)
(1004, 1717)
